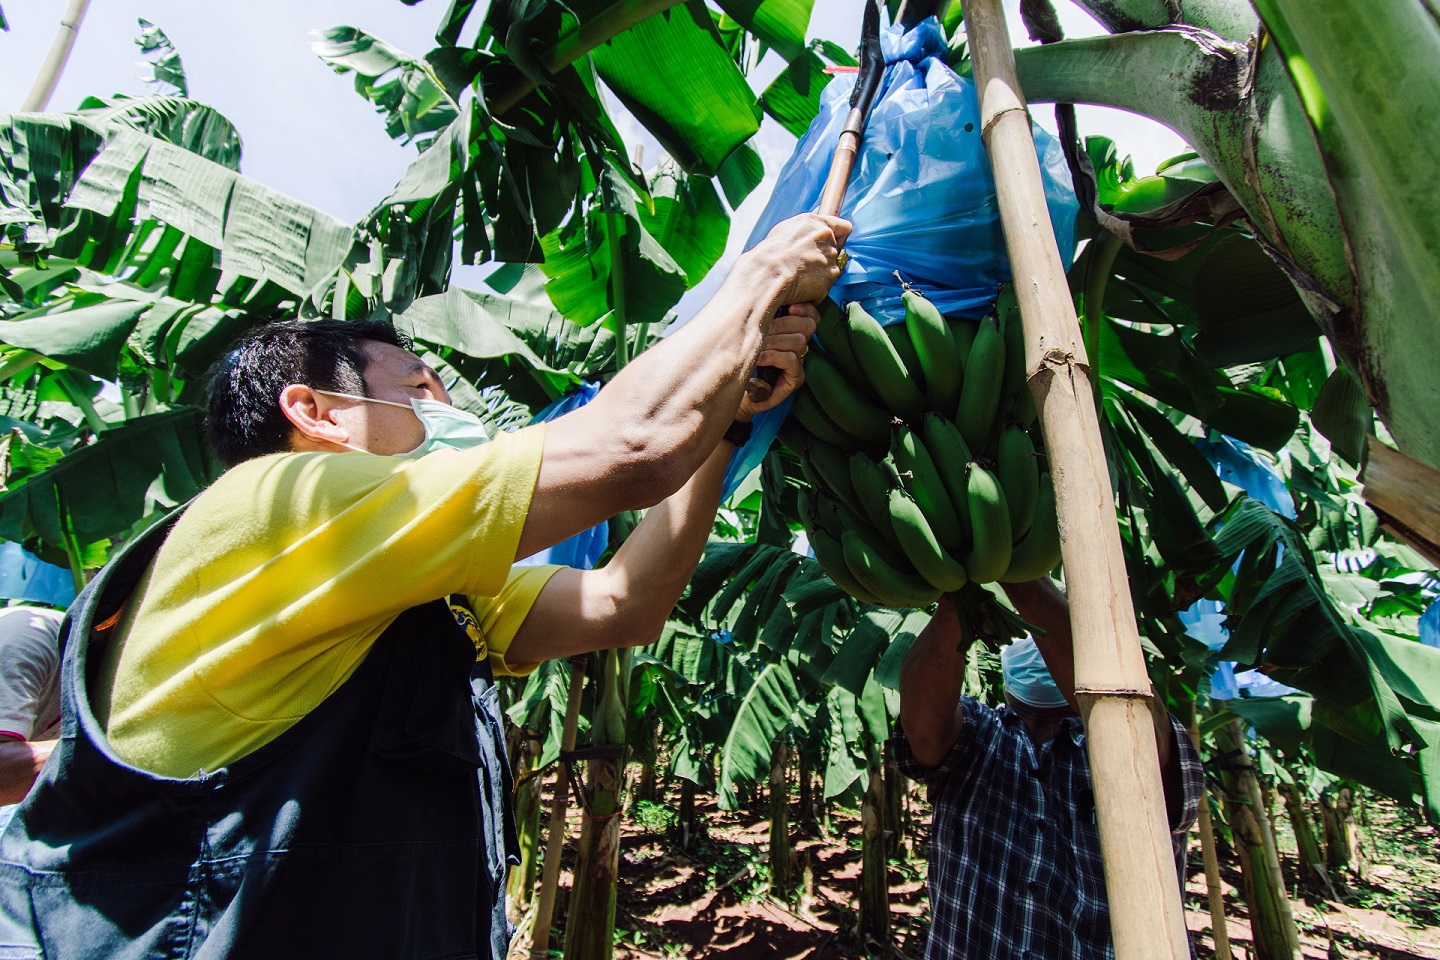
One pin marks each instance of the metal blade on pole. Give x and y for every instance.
(1111, 683)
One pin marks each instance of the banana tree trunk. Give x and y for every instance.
(559, 805)
(1313, 874)
(1214, 889)
(1111, 683)
(690, 827)
(874, 863)
(597, 856)
(808, 826)
(782, 879)
(1272, 924)
(520, 885)
(1343, 852)
(895, 783)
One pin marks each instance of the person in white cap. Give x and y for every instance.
(1014, 865)
(29, 696)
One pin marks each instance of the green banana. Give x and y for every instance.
(873, 482)
(990, 540)
(1039, 552)
(843, 404)
(813, 419)
(905, 349)
(964, 332)
(935, 347)
(827, 549)
(952, 460)
(1013, 383)
(893, 586)
(980, 393)
(919, 476)
(831, 466)
(882, 365)
(917, 540)
(793, 436)
(836, 518)
(835, 344)
(1023, 409)
(1019, 473)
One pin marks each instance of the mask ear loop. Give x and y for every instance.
(388, 403)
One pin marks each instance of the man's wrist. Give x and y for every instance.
(759, 281)
(738, 433)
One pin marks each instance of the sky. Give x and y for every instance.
(308, 134)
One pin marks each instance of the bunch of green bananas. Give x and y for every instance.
(916, 442)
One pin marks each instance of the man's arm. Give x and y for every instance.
(20, 763)
(626, 602)
(930, 681)
(1042, 603)
(648, 432)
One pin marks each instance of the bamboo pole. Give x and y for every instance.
(559, 807)
(1111, 685)
(60, 48)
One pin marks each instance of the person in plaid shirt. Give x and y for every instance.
(1015, 868)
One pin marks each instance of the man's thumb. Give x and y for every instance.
(838, 226)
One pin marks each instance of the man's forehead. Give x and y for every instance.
(391, 359)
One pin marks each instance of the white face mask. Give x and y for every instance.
(446, 427)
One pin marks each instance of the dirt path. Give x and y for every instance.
(712, 900)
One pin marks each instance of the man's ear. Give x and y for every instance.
(312, 415)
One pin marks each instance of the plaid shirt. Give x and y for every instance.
(1015, 869)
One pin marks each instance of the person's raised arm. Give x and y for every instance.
(647, 433)
(20, 763)
(931, 678)
(627, 601)
(1042, 603)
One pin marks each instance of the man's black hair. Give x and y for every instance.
(245, 420)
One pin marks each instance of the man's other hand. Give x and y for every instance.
(805, 252)
(785, 349)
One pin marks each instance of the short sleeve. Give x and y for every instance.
(500, 616)
(978, 730)
(1192, 779)
(29, 671)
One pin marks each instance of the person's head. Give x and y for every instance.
(275, 390)
(1029, 688)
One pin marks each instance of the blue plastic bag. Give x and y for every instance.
(922, 197)
(585, 548)
(1236, 463)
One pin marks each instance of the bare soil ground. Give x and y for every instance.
(712, 898)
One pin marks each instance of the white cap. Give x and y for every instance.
(1026, 677)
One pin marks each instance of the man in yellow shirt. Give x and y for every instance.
(280, 733)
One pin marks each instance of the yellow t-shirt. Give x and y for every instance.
(277, 580)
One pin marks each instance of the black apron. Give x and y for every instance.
(377, 826)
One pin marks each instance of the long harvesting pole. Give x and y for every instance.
(49, 74)
(1112, 687)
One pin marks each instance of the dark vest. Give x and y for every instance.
(377, 826)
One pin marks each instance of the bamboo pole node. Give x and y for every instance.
(1132, 692)
(999, 114)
